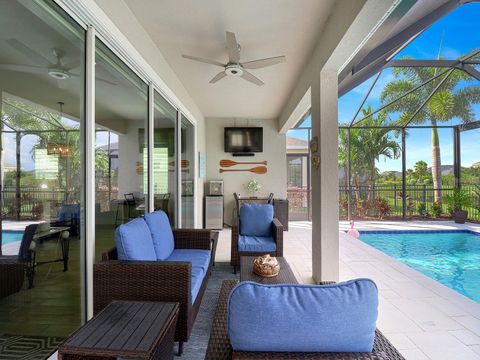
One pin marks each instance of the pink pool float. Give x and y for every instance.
(352, 231)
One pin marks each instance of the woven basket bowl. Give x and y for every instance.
(265, 270)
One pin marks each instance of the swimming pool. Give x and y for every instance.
(9, 236)
(450, 257)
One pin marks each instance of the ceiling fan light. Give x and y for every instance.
(234, 70)
(58, 74)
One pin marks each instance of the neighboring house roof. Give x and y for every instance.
(296, 143)
(476, 164)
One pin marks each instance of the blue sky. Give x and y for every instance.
(459, 31)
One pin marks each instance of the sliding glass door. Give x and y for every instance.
(164, 157)
(121, 152)
(41, 91)
(187, 165)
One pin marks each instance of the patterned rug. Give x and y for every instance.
(14, 347)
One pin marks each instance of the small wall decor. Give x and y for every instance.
(260, 170)
(202, 165)
(314, 145)
(229, 163)
(315, 161)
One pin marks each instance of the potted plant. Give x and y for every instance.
(456, 202)
(253, 186)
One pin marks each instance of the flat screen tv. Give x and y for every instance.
(243, 139)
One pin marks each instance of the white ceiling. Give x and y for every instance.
(264, 28)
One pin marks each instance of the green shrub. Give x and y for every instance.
(422, 209)
(437, 210)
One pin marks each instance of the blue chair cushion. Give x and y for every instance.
(162, 234)
(256, 219)
(199, 258)
(134, 241)
(69, 212)
(258, 244)
(304, 318)
(197, 278)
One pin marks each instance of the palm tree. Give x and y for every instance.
(453, 99)
(367, 144)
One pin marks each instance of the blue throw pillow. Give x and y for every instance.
(134, 241)
(303, 318)
(162, 234)
(256, 219)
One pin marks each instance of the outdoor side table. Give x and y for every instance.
(125, 329)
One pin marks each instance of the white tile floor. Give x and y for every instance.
(421, 317)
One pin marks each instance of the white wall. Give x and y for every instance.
(274, 152)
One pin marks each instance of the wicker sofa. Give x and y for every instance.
(219, 347)
(256, 216)
(170, 280)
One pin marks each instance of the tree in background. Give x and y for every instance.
(453, 99)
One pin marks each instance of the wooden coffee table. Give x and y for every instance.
(285, 276)
(126, 329)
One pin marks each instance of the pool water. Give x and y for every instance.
(450, 257)
(11, 236)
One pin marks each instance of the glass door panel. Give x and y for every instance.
(121, 113)
(164, 152)
(187, 173)
(42, 89)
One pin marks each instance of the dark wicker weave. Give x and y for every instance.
(219, 345)
(235, 254)
(165, 281)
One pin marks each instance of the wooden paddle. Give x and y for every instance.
(228, 163)
(185, 163)
(255, 170)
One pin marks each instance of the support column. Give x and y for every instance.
(325, 238)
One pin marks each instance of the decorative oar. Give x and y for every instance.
(255, 170)
(229, 163)
(185, 163)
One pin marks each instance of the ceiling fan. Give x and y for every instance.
(57, 70)
(236, 68)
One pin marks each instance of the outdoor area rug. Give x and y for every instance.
(14, 347)
(196, 347)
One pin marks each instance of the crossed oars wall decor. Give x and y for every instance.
(256, 170)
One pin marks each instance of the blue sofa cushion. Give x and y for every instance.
(303, 318)
(134, 241)
(162, 234)
(69, 212)
(256, 219)
(197, 278)
(258, 244)
(199, 258)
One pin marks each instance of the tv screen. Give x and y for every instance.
(243, 140)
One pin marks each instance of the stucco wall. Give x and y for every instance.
(274, 152)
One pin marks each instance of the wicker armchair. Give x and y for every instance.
(277, 232)
(168, 281)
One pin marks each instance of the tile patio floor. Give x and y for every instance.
(421, 317)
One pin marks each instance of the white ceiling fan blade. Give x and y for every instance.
(257, 64)
(29, 53)
(252, 78)
(24, 68)
(206, 61)
(97, 78)
(218, 77)
(233, 48)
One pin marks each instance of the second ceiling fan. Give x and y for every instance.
(236, 68)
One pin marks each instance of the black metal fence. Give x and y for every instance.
(383, 201)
